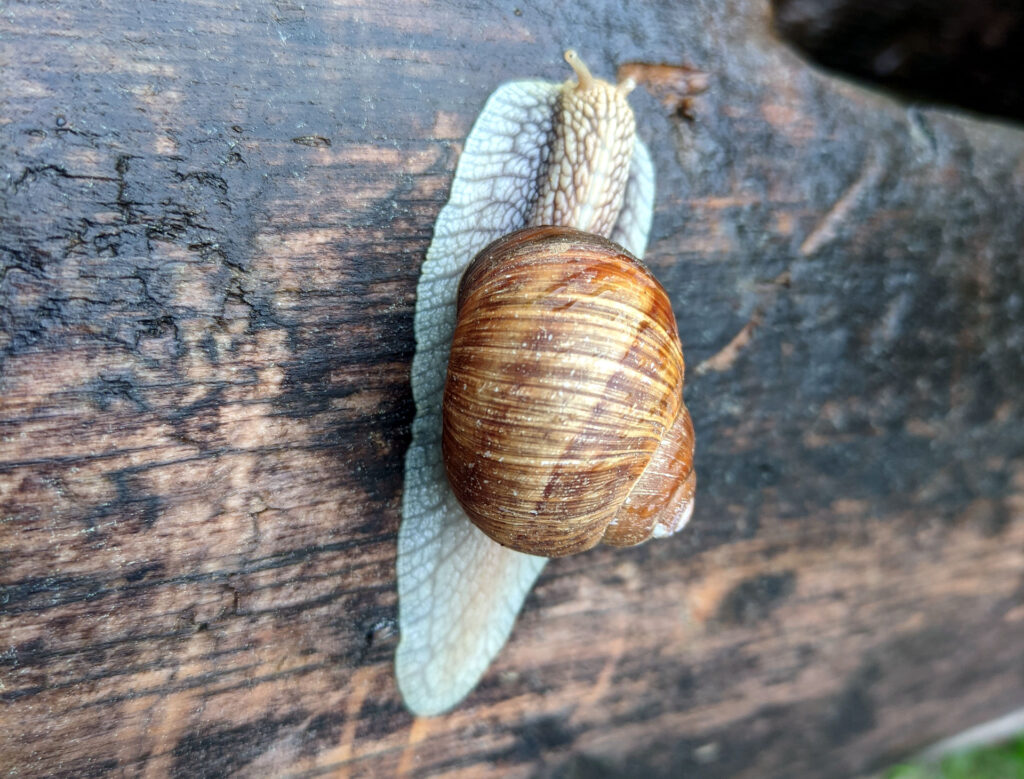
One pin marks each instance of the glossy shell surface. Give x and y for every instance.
(564, 389)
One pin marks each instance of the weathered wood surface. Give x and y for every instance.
(213, 217)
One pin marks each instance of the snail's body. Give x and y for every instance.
(539, 154)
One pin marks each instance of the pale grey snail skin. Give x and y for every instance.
(458, 591)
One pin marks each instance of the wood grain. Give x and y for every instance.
(213, 217)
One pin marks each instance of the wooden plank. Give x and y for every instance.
(213, 218)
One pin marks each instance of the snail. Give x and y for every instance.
(547, 377)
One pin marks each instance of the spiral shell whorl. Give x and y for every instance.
(564, 377)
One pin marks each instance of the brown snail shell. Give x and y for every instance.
(563, 421)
